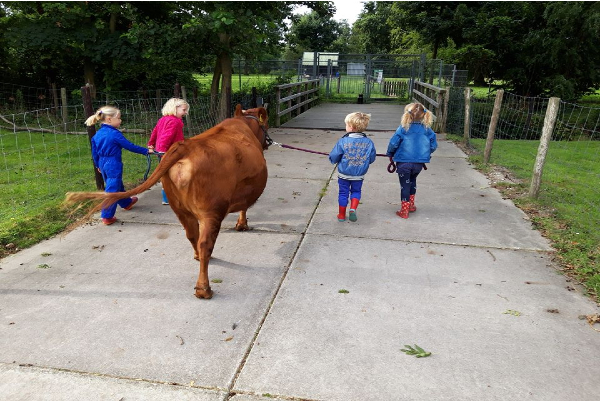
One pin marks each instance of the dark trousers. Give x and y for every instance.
(407, 174)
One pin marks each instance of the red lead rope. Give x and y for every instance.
(391, 167)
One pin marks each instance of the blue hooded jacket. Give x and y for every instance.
(353, 153)
(413, 145)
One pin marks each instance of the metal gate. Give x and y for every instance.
(372, 77)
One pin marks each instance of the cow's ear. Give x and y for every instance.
(262, 116)
(238, 111)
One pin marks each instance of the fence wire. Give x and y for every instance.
(571, 174)
(42, 156)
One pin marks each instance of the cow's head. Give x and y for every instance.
(260, 115)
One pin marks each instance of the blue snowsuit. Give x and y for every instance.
(107, 145)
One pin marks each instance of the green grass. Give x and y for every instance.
(566, 209)
(36, 170)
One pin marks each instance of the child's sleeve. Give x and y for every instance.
(152, 140)
(394, 142)
(131, 147)
(373, 154)
(432, 141)
(336, 153)
(95, 156)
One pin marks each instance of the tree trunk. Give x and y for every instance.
(223, 72)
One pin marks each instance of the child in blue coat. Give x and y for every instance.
(353, 153)
(411, 147)
(107, 145)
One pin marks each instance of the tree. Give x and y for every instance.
(246, 28)
(371, 32)
(121, 44)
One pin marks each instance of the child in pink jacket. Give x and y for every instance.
(168, 129)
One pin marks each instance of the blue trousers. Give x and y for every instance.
(407, 174)
(348, 189)
(112, 173)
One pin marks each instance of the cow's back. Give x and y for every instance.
(223, 169)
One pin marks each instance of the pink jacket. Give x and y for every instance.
(168, 130)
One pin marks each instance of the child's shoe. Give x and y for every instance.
(353, 205)
(109, 221)
(342, 214)
(133, 201)
(411, 206)
(403, 213)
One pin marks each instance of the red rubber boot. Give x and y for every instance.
(412, 207)
(403, 213)
(353, 205)
(342, 214)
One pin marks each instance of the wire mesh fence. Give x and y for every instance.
(571, 172)
(42, 157)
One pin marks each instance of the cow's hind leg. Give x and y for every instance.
(192, 228)
(242, 222)
(209, 230)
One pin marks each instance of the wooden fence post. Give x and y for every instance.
(549, 122)
(467, 132)
(187, 118)
(177, 91)
(55, 98)
(91, 130)
(493, 124)
(158, 100)
(64, 108)
(277, 107)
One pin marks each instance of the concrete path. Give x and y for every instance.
(108, 313)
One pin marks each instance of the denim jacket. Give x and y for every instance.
(413, 145)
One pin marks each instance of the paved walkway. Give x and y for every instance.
(108, 313)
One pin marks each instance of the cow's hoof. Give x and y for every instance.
(241, 228)
(205, 293)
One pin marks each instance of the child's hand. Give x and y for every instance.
(150, 150)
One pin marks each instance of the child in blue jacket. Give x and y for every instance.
(107, 145)
(353, 153)
(411, 147)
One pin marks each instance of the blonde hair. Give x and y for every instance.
(358, 121)
(101, 114)
(170, 108)
(415, 112)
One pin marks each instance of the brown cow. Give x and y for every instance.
(206, 177)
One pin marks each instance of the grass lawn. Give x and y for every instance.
(566, 210)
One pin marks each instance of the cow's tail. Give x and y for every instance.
(173, 155)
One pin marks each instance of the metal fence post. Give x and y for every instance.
(493, 124)
(538, 168)
(91, 130)
(467, 132)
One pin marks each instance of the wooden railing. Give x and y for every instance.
(296, 97)
(435, 99)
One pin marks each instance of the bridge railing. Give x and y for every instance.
(295, 97)
(434, 99)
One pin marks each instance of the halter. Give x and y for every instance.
(266, 139)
